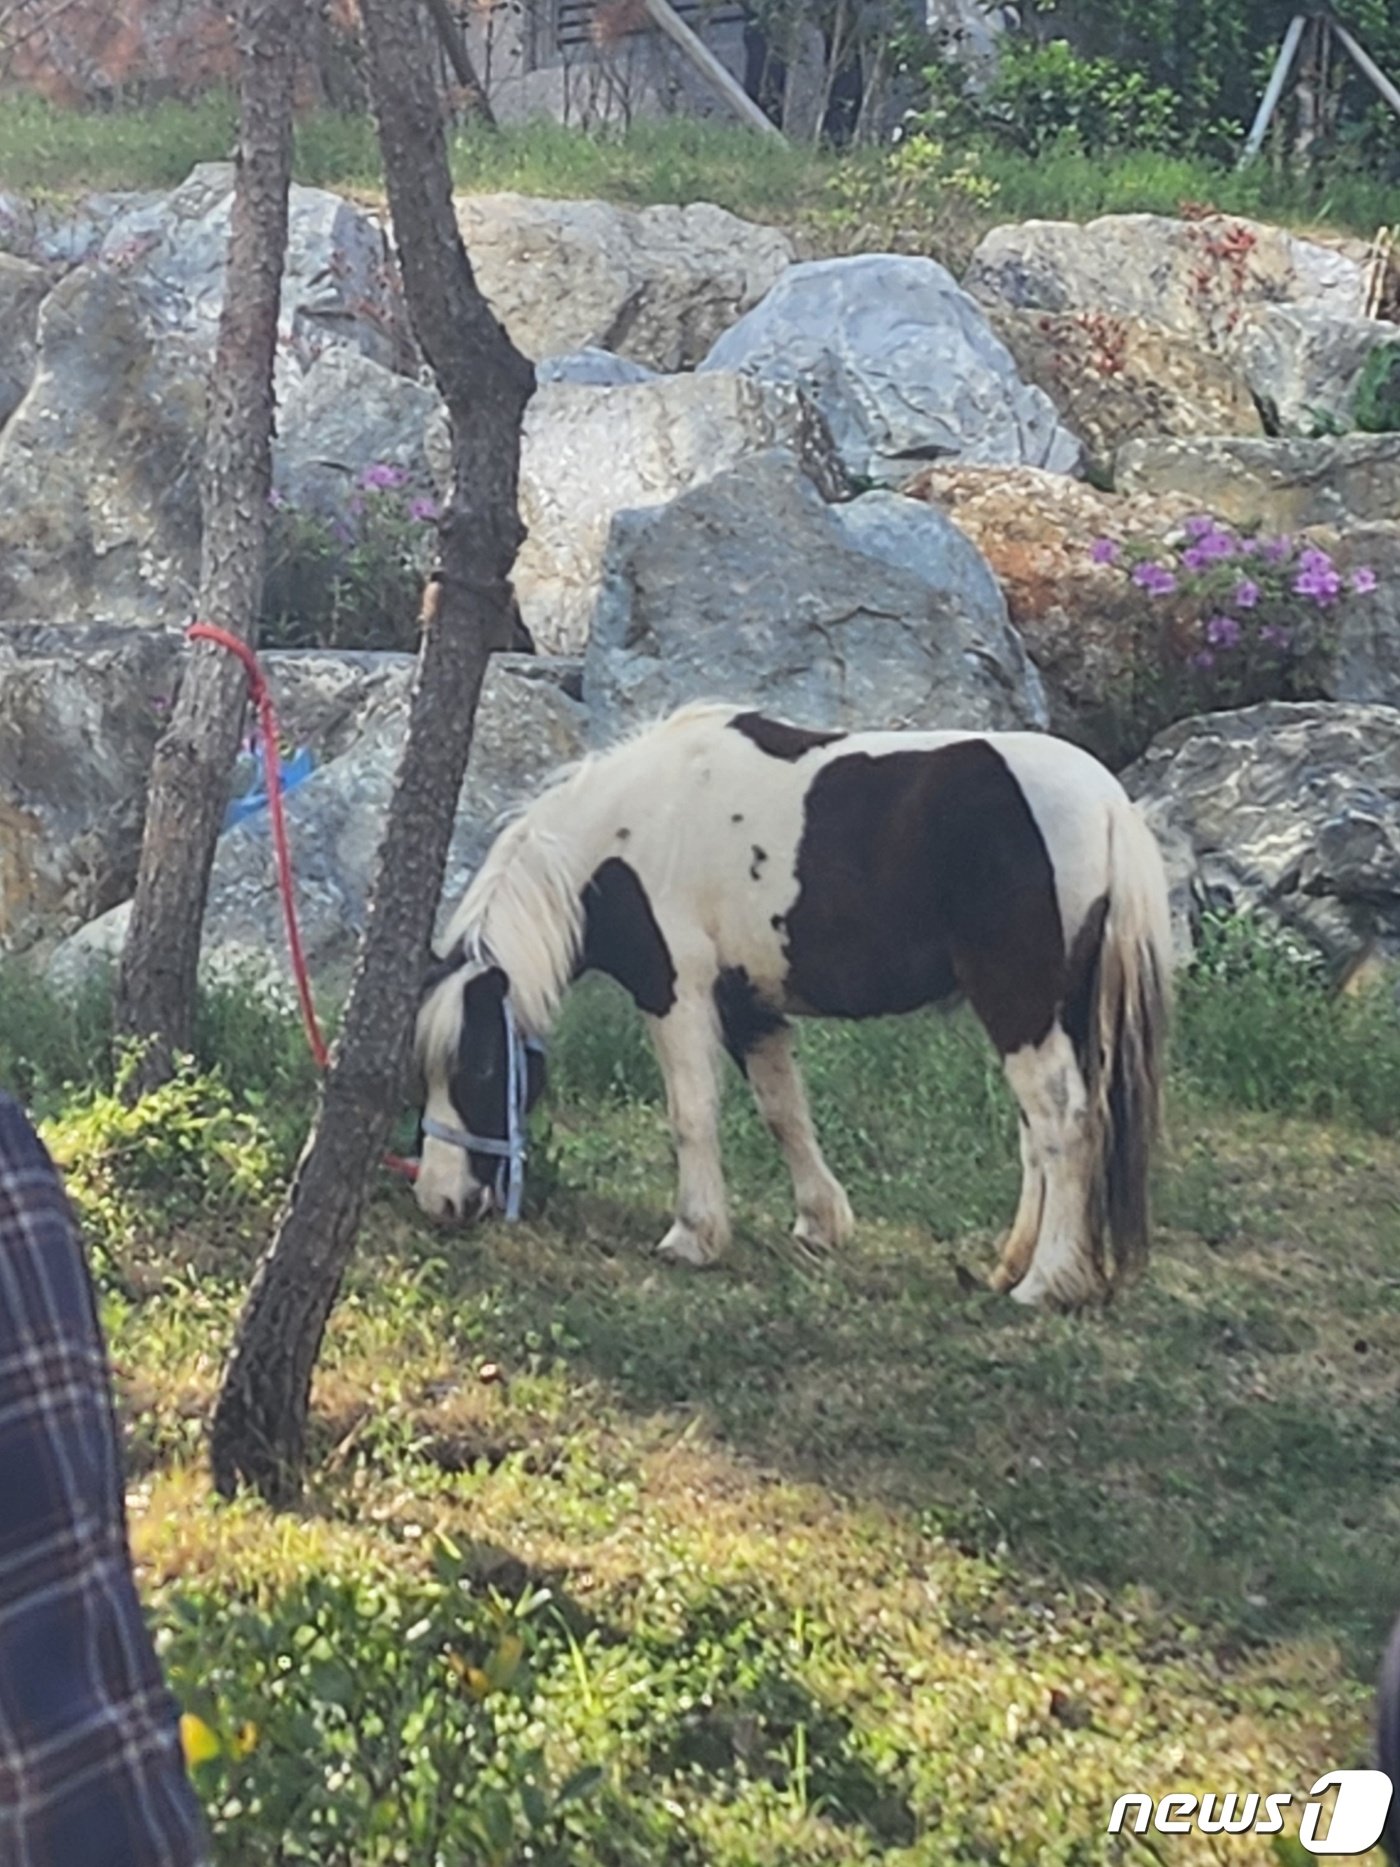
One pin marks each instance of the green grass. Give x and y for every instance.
(608, 1566)
(49, 151)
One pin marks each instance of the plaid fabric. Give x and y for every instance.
(91, 1773)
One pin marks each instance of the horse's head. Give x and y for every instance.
(481, 1077)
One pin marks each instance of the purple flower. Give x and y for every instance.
(1223, 632)
(1194, 558)
(1363, 581)
(1198, 525)
(1214, 545)
(1274, 635)
(1246, 593)
(423, 511)
(1322, 581)
(1202, 660)
(1277, 550)
(1156, 579)
(382, 477)
(1104, 551)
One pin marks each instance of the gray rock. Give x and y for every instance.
(99, 465)
(902, 364)
(1282, 485)
(589, 453)
(1197, 277)
(1287, 810)
(600, 368)
(657, 284)
(347, 413)
(22, 290)
(752, 588)
(527, 725)
(1302, 361)
(64, 232)
(340, 285)
(1364, 662)
(80, 712)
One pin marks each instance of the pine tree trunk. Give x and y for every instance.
(194, 759)
(259, 1425)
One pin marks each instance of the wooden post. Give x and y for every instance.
(699, 56)
(1277, 79)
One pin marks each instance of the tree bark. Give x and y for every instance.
(460, 59)
(258, 1431)
(190, 775)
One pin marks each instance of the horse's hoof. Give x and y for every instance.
(1059, 1295)
(683, 1245)
(1003, 1279)
(813, 1240)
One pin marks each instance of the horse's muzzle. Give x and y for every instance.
(464, 1214)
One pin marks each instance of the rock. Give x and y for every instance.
(348, 413)
(591, 365)
(1115, 379)
(655, 284)
(340, 286)
(1285, 486)
(81, 707)
(1286, 810)
(526, 726)
(64, 232)
(22, 290)
(1302, 362)
(1083, 624)
(80, 712)
(99, 466)
(750, 587)
(902, 364)
(589, 453)
(1196, 277)
(1364, 663)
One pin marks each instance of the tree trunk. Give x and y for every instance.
(460, 59)
(259, 1424)
(190, 775)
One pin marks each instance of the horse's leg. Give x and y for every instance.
(824, 1218)
(1049, 1085)
(687, 1046)
(1019, 1245)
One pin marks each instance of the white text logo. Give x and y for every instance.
(1357, 1817)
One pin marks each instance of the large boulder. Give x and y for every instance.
(589, 453)
(339, 286)
(527, 724)
(1287, 810)
(1302, 363)
(23, 287)
(657, 284)
(1196, 277)
(1115, 379)
(99, 465)
(902, 364)
(81, 707)
(750, 587)
(1085, 625)
(64, 230)
(1282, 485)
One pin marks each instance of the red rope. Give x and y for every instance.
(261, 697)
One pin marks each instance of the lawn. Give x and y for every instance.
(605, 1563)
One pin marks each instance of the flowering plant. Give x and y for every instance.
(354, 580)
(1239, 616)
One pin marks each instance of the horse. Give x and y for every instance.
(732, 871)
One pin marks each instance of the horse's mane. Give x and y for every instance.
(524, 905)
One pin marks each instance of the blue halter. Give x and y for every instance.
(509, 1186)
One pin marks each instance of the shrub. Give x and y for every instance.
(1046, 96)
(354, 581)
(1376, 409)
(1232, 617)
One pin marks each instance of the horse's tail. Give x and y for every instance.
(1125, 1043)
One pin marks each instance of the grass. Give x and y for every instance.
(601, 1563)
(51, 152)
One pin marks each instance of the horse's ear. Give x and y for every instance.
(436, 967)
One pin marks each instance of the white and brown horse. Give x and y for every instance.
(729, 871)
